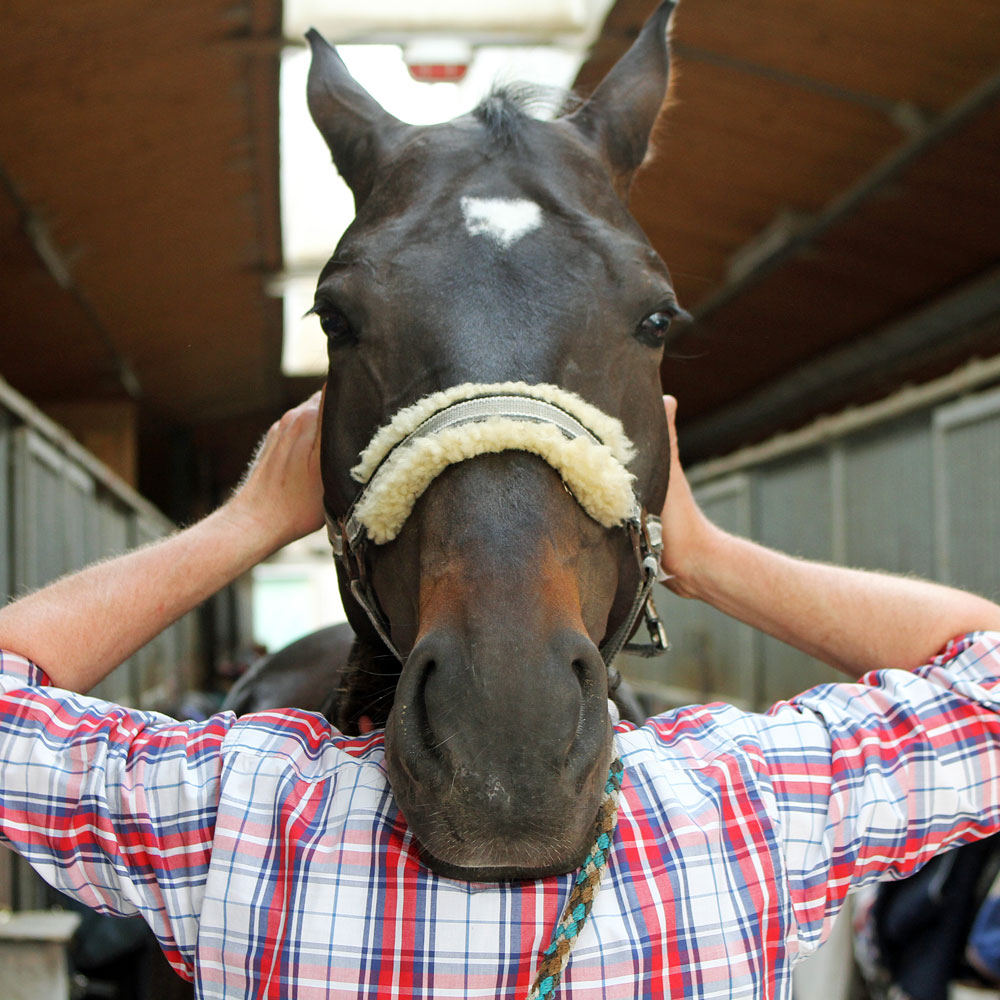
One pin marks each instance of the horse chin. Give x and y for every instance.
(504, 859)
(501, 873)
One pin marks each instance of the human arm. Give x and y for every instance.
(875, 778)
(853, 620)
(83, 625)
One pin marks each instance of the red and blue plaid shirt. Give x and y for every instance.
(269, 857)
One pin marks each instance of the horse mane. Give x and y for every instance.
(508, 107)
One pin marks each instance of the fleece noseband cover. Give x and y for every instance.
(588, 448)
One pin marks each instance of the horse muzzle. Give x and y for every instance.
(500, 776)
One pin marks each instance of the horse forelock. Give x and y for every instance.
(509, 107)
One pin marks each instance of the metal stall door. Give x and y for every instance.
(49, 531)
(967, 493)
(888, 498)
(794, 512)
(40, 541)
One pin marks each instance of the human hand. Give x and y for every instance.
(281, 494)
(687, 533)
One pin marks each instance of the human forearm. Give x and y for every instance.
(852, 619)
(82, 626)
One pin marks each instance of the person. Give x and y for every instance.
(268, 856)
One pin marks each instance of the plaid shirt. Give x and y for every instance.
(270, 859)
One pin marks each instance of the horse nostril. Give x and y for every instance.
(427, 688)
(587, 664)
(427, 735)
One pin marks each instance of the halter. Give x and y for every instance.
(588, 448)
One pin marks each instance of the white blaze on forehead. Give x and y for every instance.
(502, 220)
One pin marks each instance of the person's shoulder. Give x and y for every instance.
(690, 736)
(302, 740)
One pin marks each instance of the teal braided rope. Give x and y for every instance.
(581, 897)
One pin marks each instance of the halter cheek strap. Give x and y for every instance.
(585, 446)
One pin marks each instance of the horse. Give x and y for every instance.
(495, 320)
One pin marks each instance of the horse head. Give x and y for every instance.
(494, 256)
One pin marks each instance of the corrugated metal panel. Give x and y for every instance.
(39, 551)
(113, 527)
(793, 506)
(55, 517)
(889, 499)
(967, 460)
(50, 538)
(793, 511)
(80, 518)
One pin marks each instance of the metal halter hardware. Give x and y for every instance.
(348, 536)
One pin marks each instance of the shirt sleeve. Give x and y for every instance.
(114, 807)
(871, 780)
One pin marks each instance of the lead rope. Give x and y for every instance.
(581, 898)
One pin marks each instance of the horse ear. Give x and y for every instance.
(355, 126)
(619, 116)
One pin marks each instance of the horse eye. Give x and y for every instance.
(653, 329)
(335, 325)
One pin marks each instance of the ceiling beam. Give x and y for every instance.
(904, 115)
(58, 265)
(812, 228)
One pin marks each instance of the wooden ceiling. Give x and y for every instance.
(139, 207)
(826, 178)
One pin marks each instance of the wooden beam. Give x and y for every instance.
(805, 235)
